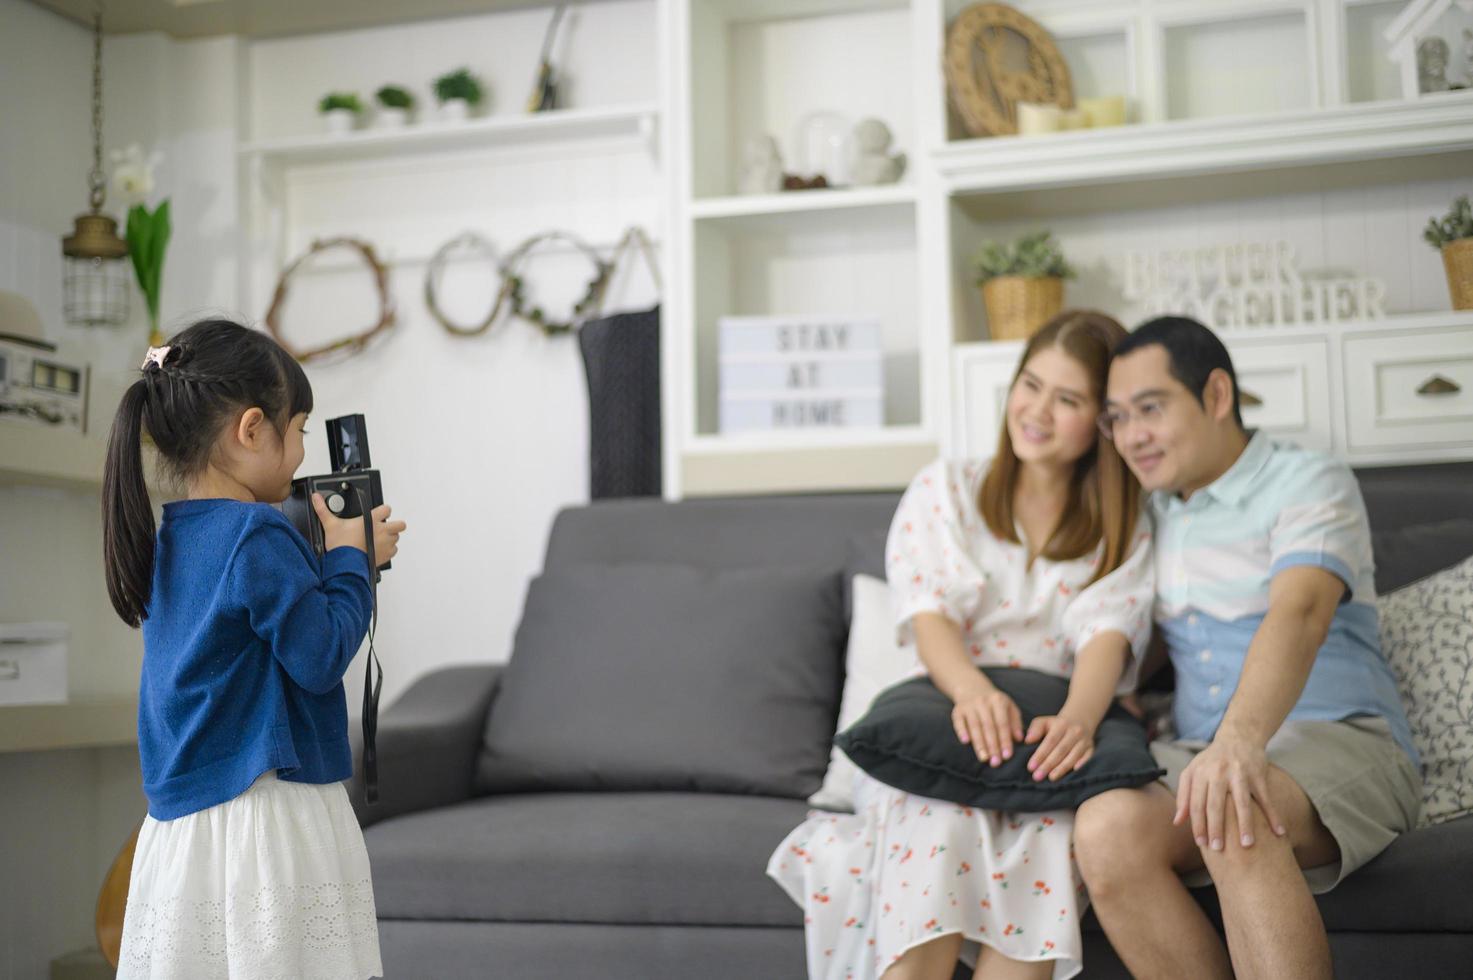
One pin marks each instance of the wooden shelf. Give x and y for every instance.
(75, 725)
(1431, 124)
(559, 126)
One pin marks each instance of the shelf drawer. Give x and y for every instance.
(1411, 389)
(1285, 389)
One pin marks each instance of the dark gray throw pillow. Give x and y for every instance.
(669, 677)
(1409, 554)
(907, 741)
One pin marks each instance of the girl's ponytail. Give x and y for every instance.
(127, 514)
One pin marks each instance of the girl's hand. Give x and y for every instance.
(338, 532)
(990, 722)
(1066, 746)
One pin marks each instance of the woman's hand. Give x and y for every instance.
(1066, 745)
(988, 720)
(338, 532)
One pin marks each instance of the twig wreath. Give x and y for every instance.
(351, 344)
(585, 307)
(474, 241)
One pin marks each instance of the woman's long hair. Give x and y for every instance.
(214, 370)
(1104, 497)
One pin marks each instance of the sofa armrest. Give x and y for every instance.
(428, 740)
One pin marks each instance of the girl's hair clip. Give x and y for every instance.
(155, 355)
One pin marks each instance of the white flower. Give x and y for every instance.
(133, 172)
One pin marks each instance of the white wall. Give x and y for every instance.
(481, 441)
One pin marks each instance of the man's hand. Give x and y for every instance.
(1230, 767)
(1067, 745)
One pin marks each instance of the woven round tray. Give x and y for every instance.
(997, 57)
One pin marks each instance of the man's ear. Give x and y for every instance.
(249, 430)
(1218, 396)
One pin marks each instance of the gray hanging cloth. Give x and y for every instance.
(621, 360)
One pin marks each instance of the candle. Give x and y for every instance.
(1107, 110)
(1073, 119)
(1037, 117)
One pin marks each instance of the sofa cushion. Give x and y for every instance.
(669, 677)
(907, 740)
(674, 858)
(1427, 636)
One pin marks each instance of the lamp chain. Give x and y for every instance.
(95, 178)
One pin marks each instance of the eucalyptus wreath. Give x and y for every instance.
(516, 287)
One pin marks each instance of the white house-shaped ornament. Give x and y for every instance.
(1437, 67)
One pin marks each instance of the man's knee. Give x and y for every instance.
(1116, 838)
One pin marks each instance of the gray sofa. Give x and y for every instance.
(670, 883)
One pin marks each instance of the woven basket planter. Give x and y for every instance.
(1017, 305)
(1457, 258)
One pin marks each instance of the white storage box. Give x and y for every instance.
(33, 663)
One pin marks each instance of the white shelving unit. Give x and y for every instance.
(1257, 119)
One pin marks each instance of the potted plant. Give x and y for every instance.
(148, 231)
(1453, 235)
(394, 104)
(458, 92)
(1022, 284)
(340, 111)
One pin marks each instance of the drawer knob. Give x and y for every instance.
(1248, 399)
(1438, 385)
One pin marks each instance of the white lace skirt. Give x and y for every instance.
(271, 885)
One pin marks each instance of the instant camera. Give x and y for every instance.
(350, 490)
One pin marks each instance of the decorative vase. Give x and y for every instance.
(1018, 305)
(1457, 259)
(339, 121)
(455, 110)
(389, 117)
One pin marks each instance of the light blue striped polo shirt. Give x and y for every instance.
(1278, 506)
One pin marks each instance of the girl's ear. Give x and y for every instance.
(249, 431)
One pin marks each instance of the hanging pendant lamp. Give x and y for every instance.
(94, 276)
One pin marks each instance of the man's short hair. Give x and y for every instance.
(1192, 350)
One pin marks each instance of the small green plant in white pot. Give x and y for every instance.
(340, 111)
(394, 105)
(458, 93)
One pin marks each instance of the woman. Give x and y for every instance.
(1039, 558)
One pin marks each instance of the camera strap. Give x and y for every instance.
(371, 684)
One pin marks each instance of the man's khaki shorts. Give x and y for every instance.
(1360, 782)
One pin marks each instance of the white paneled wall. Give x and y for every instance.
(481, 440)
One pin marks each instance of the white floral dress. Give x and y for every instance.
(903, 869)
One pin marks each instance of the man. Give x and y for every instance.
(1293, 763)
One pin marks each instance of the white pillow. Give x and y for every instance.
(1427, 636)
(873, 662)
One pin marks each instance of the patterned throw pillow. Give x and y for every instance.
(1427, 635)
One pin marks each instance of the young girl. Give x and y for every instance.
(250, 863)
(1038, 558)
